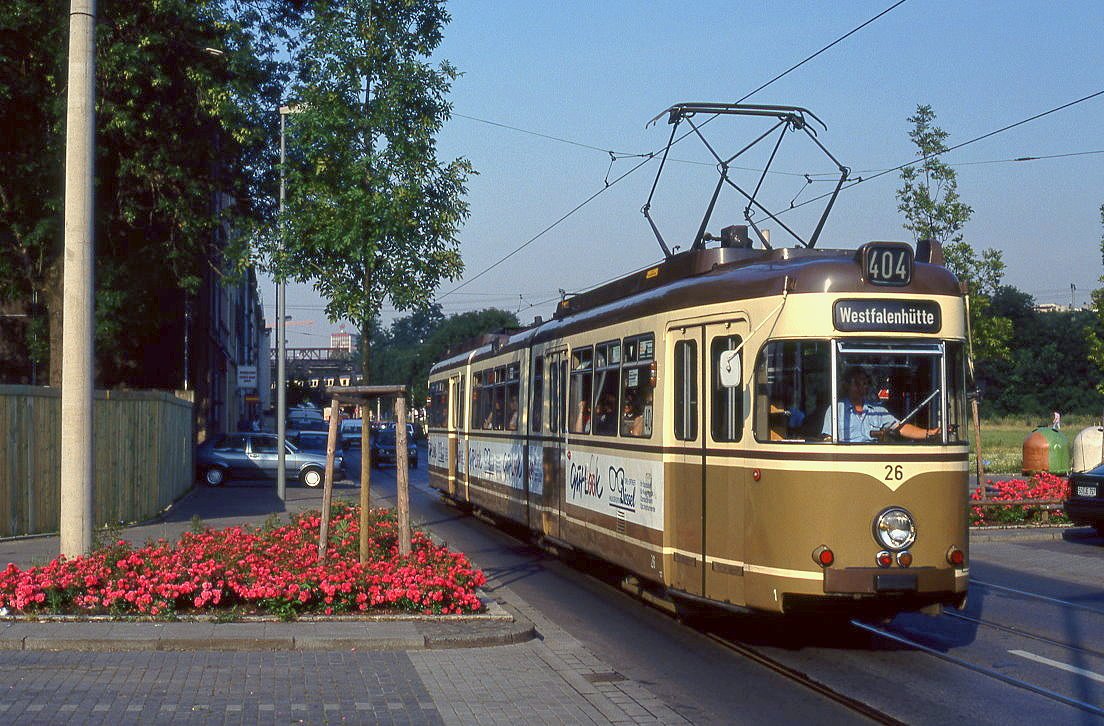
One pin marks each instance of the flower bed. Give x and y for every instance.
(244, 570)
(1020, 501)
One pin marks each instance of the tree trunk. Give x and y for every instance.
(365, 436)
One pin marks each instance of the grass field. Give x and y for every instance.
(1002, 440)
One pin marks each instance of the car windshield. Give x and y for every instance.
(386, 437)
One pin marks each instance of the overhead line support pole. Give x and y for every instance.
(78, 310)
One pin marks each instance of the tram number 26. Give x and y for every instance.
(894, 472)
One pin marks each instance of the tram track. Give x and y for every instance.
(1024, 634)
(800, 677)
(1037, 596)
(981, 670)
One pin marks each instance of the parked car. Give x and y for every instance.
(1086, 498)
(315, 442)
(350, 433)
(383, 449)
(252, 455)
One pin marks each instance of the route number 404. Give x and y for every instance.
(894, 472)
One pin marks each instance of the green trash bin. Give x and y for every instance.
(1047, 450)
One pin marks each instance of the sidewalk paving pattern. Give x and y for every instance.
(488, 669)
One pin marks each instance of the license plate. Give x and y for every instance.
(1084, 491)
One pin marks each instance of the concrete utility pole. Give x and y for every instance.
(77, 296)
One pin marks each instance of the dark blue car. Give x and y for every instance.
(251, 455)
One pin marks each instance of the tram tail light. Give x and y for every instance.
(824, 556)
(884, 558)
(652, 369)
(904, 558)
(956, 557)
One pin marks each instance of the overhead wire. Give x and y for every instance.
(974, 140)
(651, 155)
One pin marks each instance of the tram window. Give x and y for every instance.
(458, 413)
(792, 387)
(438, 404)
(475, 408)
(685, 414)
(637, 386)
(956, 393)
(727, 416)
(607, 374)
(536, 395)
(512, 391)
(900, 387)
(580, 391)
(556, 384)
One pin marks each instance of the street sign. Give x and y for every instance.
(247, 376)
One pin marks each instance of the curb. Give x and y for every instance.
(1030, 534)
(501, 625)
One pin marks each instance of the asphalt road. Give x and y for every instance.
(707, 683)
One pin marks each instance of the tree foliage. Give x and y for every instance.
(1048, 367)
(184, 97)
(929, 201)
(1095, 331)
(371, 214)
(408, 349)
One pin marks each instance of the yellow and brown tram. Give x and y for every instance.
(681, 424)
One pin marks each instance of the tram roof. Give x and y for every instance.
(712, 275)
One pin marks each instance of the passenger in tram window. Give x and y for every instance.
(863, 419)
(512, 413)
(582, 418)
(632, 418)
(605, 415)
(494, 416)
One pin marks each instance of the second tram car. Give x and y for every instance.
(776, 430)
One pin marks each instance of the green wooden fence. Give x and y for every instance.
(143, 444)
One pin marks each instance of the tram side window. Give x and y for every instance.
(512, 387)
(537, 395)
(607, 377)
(557, 372)
(727, 416)
(579, 397)
(956, 393)
(483, 400)
(438, 404)
(458, 413)
(792, 387)
(638, 386)
(685, 414)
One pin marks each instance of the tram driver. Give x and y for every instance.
(863, 419)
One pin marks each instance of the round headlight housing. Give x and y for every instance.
(894, 529)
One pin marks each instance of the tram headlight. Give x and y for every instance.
(894, 529)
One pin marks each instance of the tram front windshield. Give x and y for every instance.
(860, 392)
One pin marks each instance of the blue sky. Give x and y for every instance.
(595, 73)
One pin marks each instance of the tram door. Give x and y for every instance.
(684, 471)
(554, 450)
(456, 432)
(703, 492)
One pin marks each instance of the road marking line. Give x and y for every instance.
(1058, 664)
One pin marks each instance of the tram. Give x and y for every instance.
(765, 429)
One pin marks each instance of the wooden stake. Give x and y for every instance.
(402, 466)
(327, 487)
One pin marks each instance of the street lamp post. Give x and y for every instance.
(281, 328)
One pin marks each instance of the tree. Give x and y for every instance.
(933, 210)
(184, 95)
(371, 214)
(1095, 331)
(405, 353)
